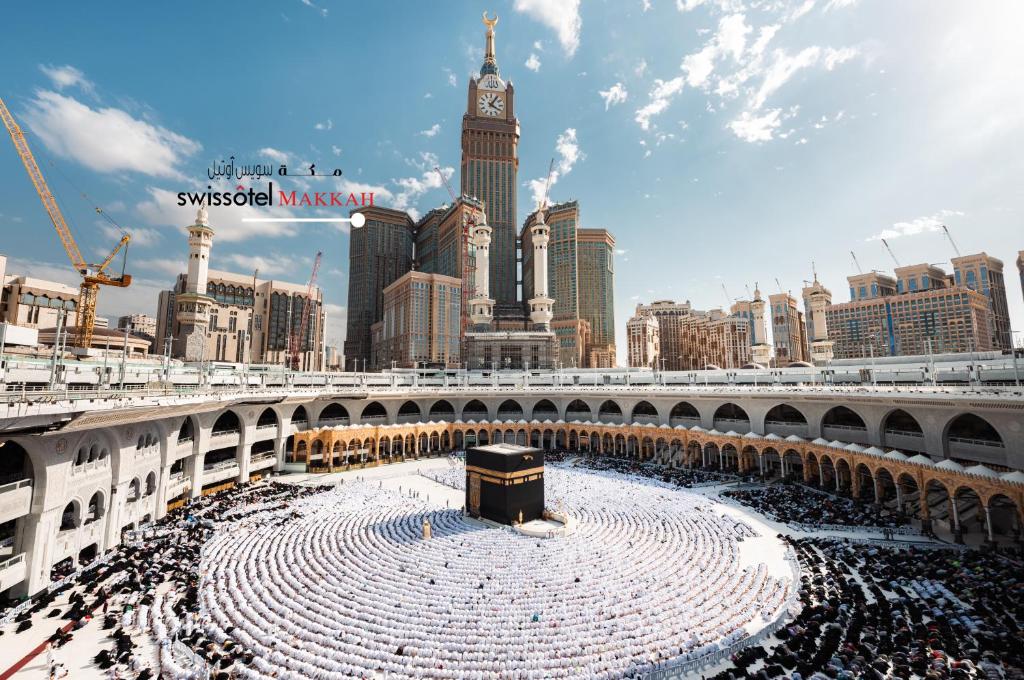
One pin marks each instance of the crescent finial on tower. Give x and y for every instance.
(490, 23)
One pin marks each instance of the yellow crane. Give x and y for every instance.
(93, 275)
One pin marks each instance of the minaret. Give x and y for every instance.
(193, 305)
(481, 305)
(760, 350)
(817, 298)
(540, 303)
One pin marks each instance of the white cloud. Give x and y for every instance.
(699, 66)
(840, 4)
(538, 45)
(660, 97)
(326, 125)
(568, 153)
(616, 94)
(563, 16)
(782, 69)
(431, 131)
(309, 3)
(270, 265)
(641, 68)
(803, 9)
(452, 81)
(756, 129)
(835, 57)
(919, 225)
(732, 35)
(533, 62)
(66, 76)
(142, 237)
(412, 188)
(162, 265)
(274, 154)
(106, 139)
(646, 4)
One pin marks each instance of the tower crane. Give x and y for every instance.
(949, 236)
(855, 262)
(93, 275)
(728, 300)
(296, 339)
(468, 271)
(891, 254)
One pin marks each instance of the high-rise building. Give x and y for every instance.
(490, 163)
(817, 299)
(642, 339)
(596, 280)
(788, 330)
(984, 273)
(421, 323)
(379, 253)
(688, 339)
(927, 315)
(249, 320)
(140, 324)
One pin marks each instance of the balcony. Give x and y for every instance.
(224, 438)
(784, 428)
(13, 571)
(332, 422)
(176, 484)
(845, 433)
(986, 451)
(261, 461)
(15, 499)
(904, 440)
(217, 472)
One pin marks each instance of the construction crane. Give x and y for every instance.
(951, 241)
(307, 304)
(547, 185)
(93, 275)
(728, 300)
(891, 254)
(468, 271)
(856, 263)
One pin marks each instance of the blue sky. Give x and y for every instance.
(721, 141)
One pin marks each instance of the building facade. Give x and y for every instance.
(817, 299)
(596, 258)
(788, 332)
(141, 324)
(930, 315)
(421, 323)
(380, 252)
(490, 165)
(984, 273)
(642, 339)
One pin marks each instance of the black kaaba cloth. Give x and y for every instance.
(504, 480)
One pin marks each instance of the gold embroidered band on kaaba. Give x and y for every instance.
(494, 475)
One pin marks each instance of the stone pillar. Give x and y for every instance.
(279, 445)
(194, 466)
(760, 463)
(988, 524)
(242, 455)
(958, 536)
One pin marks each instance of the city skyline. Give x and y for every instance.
(825, 100)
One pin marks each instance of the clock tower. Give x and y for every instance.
(490, 162)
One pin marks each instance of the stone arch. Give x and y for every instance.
(510, 409)
(134, 490)
(187, 431)
(475, 410)
(150, 488)
(333, 414)
(96, 509)
(968, 435)
(900, 430)
(784, 419)
(374, 411)
(844, 424)
(15, 463)
(410, 412)
(578, 410)
(299, 417)
(1005, 517)
(610, 412)
(226, 423)
(644, 412)
(844, 474)
(908, 496)
(864, 484)
(730, 416)
(441, 409)
(268, 419)
(544, 410)
(70, 518)
(684, 413)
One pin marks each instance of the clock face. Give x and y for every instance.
(491, 104)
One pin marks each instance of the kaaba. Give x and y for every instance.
(505, 483)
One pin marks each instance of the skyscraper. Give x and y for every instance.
(596, 281)
(379, 253)
(817, 299)
(490, 162)
(984, 273)
(788, 330)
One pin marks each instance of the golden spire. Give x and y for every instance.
(489, 53)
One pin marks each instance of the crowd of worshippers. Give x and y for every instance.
(795, 503)
(121, 590)
(352, 589)
(680, 477)
(884, 612)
